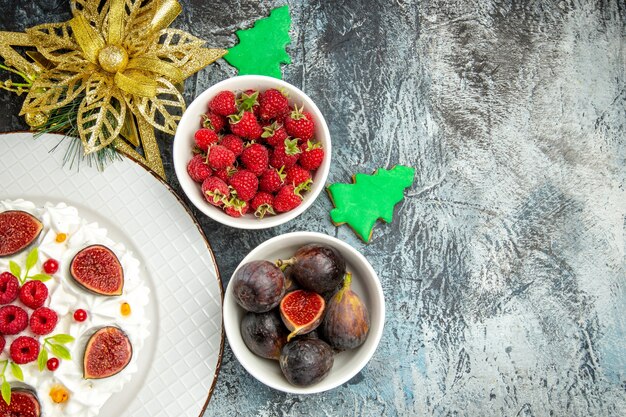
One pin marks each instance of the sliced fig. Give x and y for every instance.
(108, 351)
(24, 403)
(302, 311)
(347, 322)
(97, 269)
(18, 229)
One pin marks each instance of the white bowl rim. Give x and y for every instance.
(229, 326)
(217, 214)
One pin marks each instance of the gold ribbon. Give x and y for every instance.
(166, 12)
(117, 13)
(156, 65)
(87, 38)
(133, 82)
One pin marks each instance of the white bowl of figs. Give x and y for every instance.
(304, 312)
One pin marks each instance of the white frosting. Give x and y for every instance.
(86, 396)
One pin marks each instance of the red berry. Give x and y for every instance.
(34, 294)
(262, 203)
(215, 191)
(249, 101)
(286, 154)
(225, 173)
(197, 169)
(24, 349)
(312, 155)
(13, 319)
(233, 143)
(246, 126)
(245, 184)
(255, 158)
(213, 121)
(287, 199)
(52, 364)
(3, 343)
(50, 266)
(205, 138)
(223, 103)
(80, 315)
(274, 134)
(273, 104)
(43, 320)
(236, 207)
(299, 124)
(271, 180)
(220, 157)
(9, 288)
(296, 175)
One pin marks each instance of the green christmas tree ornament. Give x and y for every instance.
(370, 198)
(261, 49)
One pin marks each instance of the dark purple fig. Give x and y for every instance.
(24, 403)
(306, 361)
(347, 322)
(264, 333)
(107, 353)
(18, 230)
(316, 267)
(290, 282)
(302, 311)
(258, 286)
(97, 269)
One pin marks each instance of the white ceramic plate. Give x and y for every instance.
(180, 361)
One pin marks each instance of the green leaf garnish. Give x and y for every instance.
(61, 338)
(41, 277)
(42, 359)
(15, 269)
(31, 259)
(6, 392)
(61, 351)
(17, 371)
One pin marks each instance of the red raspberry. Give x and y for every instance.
(262, 203)
(43, 320)
(236, 207)
(197, 169)
(312, 155)
(233, 143)
(287, 198)
(223, 103)
(249, 101)
(213, 121)
(246, 126)
(255, 158)
(51, 266)
(220, 157)
(274, 134)
(3, 343)
(225, 173)
(286, 154)
(205, 138)
(273, 104)
(13, 319)
(296, 175)
(215, 191)
(245, 184)
(271, 180)
(9, 288)
(34, 294)
(299, 124)
(24, 349)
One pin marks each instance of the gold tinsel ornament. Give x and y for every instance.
(123, 62)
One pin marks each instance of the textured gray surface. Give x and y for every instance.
(504, 271)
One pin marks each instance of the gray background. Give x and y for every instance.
(504, 269)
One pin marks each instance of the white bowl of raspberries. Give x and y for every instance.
(252, 152)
